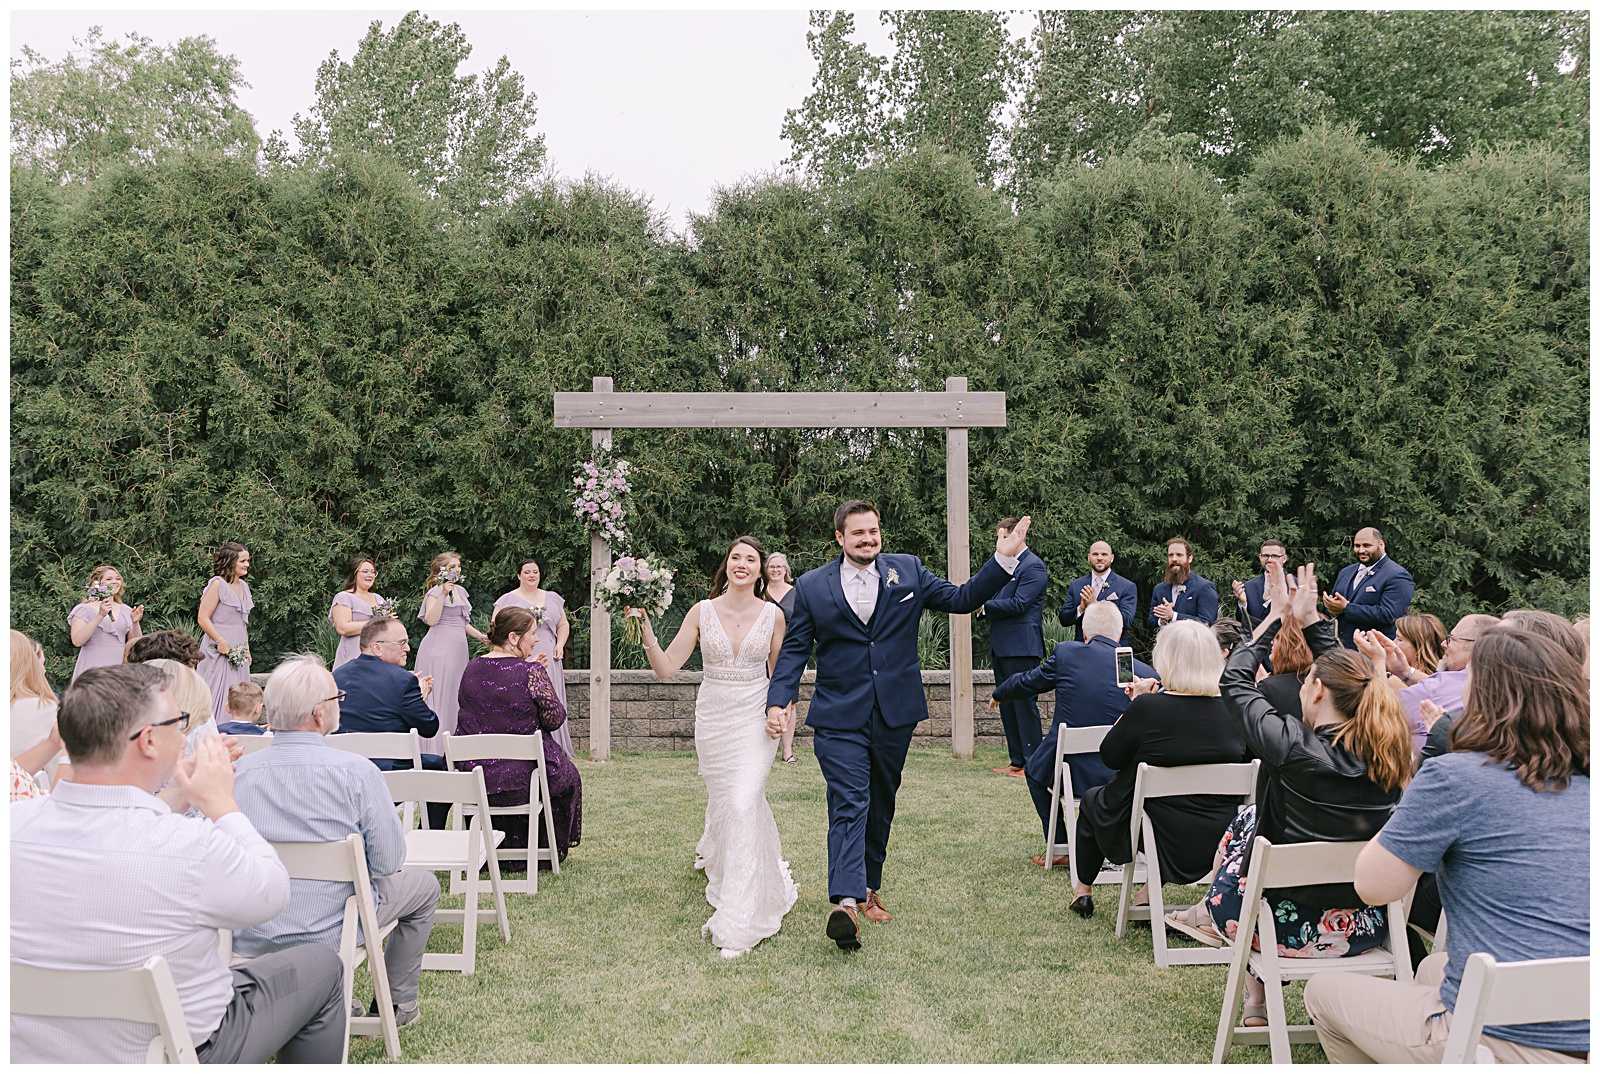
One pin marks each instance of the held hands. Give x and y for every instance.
(1140, 686)
(1012, 543)
(774, 719)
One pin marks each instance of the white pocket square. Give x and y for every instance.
(1372, 589)
(907, 597)
(1110, 596)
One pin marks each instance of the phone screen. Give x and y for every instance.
(1124, 665)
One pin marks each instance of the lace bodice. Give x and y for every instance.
(716, 648)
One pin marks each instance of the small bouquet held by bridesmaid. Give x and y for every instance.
(97, 592)
(239, 656)
(449, 574)
(642, 582)
(384, 607)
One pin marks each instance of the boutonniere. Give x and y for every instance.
(893, 577)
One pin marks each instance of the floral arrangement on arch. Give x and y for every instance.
(601, 504)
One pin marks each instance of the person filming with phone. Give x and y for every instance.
(1084, 675)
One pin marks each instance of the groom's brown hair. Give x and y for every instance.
(848, 508)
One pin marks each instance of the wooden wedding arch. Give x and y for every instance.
(955, 410)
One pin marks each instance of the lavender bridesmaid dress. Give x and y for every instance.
(231, 618)
(360, 612)
(106, 644)
(443, 654)
(545, 635)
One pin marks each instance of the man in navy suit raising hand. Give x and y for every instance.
(860, 613)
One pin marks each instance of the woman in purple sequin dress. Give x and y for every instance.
(502, 693)
(443, 652)
(551, 631)
(224, 616)
(102, 629)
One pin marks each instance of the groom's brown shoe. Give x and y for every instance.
(843, 928)
(873, 909)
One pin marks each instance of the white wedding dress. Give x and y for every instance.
(747, 880)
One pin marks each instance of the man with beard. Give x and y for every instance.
(1181, 594)
(1372, 592)
(1101, 583)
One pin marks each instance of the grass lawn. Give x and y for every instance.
(983, 962)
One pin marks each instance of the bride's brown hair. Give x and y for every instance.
(719, 583)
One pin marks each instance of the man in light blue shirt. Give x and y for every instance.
(302, 790)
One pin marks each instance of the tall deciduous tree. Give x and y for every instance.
(466, 138)
(109, 102)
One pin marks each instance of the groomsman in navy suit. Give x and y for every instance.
(1101, 583)
(1253, 606)
(1016, 644)
(1372, 592)
(1182, 594)
(860, 612)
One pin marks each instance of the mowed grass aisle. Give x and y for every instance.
(983, 962)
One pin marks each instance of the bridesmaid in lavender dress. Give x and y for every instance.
(224, 613)
(443, 652)
(503, 693)
(550, 616)
(102, 629)
(352, 608)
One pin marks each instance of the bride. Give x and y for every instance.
(740, 632)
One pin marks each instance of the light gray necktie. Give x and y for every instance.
(1361, 576)
(863, 597)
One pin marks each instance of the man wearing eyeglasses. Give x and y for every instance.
(1253, 602)
(381, 695)
(106, 874)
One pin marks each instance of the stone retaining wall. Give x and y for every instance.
(648, 714)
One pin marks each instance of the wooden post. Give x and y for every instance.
(599, 626)
(960, 569)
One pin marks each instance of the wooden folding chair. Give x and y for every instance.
(1514, 993)
(462, 748)
(1064, 805)
(1154, 782)
(455, 851)
(1296, 865)
(345, 862)
(387, 746)
(146, 994)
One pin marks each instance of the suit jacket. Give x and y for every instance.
(1197, 601)
(1084, 677)
(1255, 599)
(1117, 588)
(1385, 596)
(1016, 613)
(860, 665)
(380, 696)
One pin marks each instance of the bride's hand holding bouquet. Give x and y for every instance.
(636, 587)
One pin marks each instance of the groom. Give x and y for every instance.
(861, 613)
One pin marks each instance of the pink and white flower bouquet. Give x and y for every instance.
(601, 503)
(642, 582)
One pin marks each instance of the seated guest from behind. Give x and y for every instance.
(1291, 659)
(1332, 775)
(302, 790)
(1228, 633)
(244, 711)
(105, 875)
(1444, 687)
(1503, 821)
(166, 645)
(1101, 583)
(1084, 677)
(1178, 721)
(1181, 594)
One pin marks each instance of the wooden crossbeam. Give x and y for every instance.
(779, 410)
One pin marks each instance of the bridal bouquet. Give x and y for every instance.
(96, 593)
(239, 656)
(385, 607)
(602, 484)
(636, 582)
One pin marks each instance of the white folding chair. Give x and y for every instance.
(462, 748)
(1064, 804)
(1154, 782)
(146, 994)
(387, 746)
(253, 743)
(454, 851)
(345, 862)
(1296, 865)
(1436, 939)
(1514, 993)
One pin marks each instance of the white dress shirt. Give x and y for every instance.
(104, 877)
(860, 588)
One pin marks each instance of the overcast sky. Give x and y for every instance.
(668, 103)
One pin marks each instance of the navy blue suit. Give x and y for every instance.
(380, 696)
(1117, 588)
(1016, 642)
(1385, 596)
(868, 697)
(1197, 601)
(1255, 599)
(1084, 677)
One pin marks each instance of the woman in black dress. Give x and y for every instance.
(1177, 721)
(780, 590)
